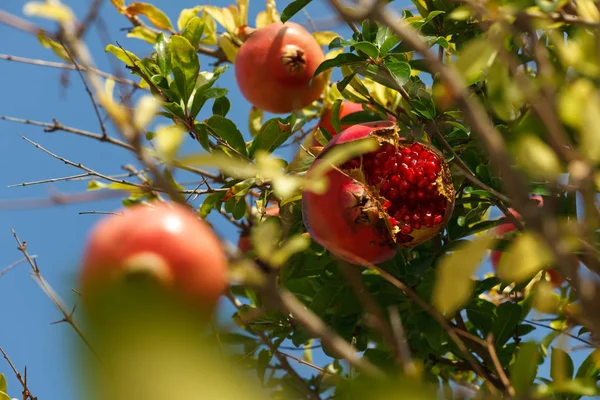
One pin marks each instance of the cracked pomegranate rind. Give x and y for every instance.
(400, 195)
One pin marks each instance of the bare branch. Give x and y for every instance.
(21, 378)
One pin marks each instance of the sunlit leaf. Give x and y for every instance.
(536, 158)
(50, 10)
(228, 165)
(561, 365)
(227, 131)
(168, 140)
(56, 47)
(193, 31)
(589, 145)
(227, 45)
(123, 55)
(3, 384)
(143, 33)
(475, 58)
(185, 64)
(523, 258)
(146, 110)
(186, 15)
(325, 37)
(255, 120)
(119, 4)
(156, 16)
(454, 274)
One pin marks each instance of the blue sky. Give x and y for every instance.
(56, 234)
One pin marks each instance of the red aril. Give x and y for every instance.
(400, 195)
(275, 65)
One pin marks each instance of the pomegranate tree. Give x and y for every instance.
(400, 195)
(275, 65)
(164, 241)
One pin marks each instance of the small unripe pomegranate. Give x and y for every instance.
(274, 67)
(400, 195)
(165, 241)
(556, 279)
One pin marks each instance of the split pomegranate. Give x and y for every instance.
(400, 195)
(165, 241)
(274, 67)
(556, 279)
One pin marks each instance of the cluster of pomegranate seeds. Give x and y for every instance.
(406, 177)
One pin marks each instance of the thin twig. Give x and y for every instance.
(53, 64)
(89, 92)
(22, 379)
(19, 23)
(562, 332)
(67, 315)
(401, 343)
(11, 266)
(499, 370)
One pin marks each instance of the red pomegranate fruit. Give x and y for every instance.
(165, 241)
(274, 67)
(346, 108)
(398, 196)
(556, 279)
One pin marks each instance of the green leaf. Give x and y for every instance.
(454, 283)
(399, 70)
(360, 117)
(200, 97)
(335, 115)
(340, 59)
(193, 31)
(163, 54)
(561, 365)
(272, 134)
(221, 106)
(590, 367)
(388, 44)
(227, 130)
(481, 314)
(367, 48)
(3, 384)
(184, 59)
(369, 30)
(156, 17)
(264, 358)
(292, 9)
(525, 367)
(211, 202)
(324, 298)
(240, 209)
(508, 316)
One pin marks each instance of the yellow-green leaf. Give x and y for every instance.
(123, 55)
(210, 30)
(146, 110)
(461, 13)
(156, 17)
(223, 16)
(265, 238)
(590, 131)
(185, 15)
(523, 258)
(255, 120)
(536, 158)
(168, 140)
(544, 299)
(55, 11)
(293, 245)
(242, 15)
(325, 37)
(56, 48)
(475, 58)
(144, 33)
(572, 101)
(454, 283)
(96, 185)
(269, 16)
(588, 10)
(228, 165)
(229, 48)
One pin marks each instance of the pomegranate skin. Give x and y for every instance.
(185, 254)
(328, 223)
(274, 66)
(346, 108)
